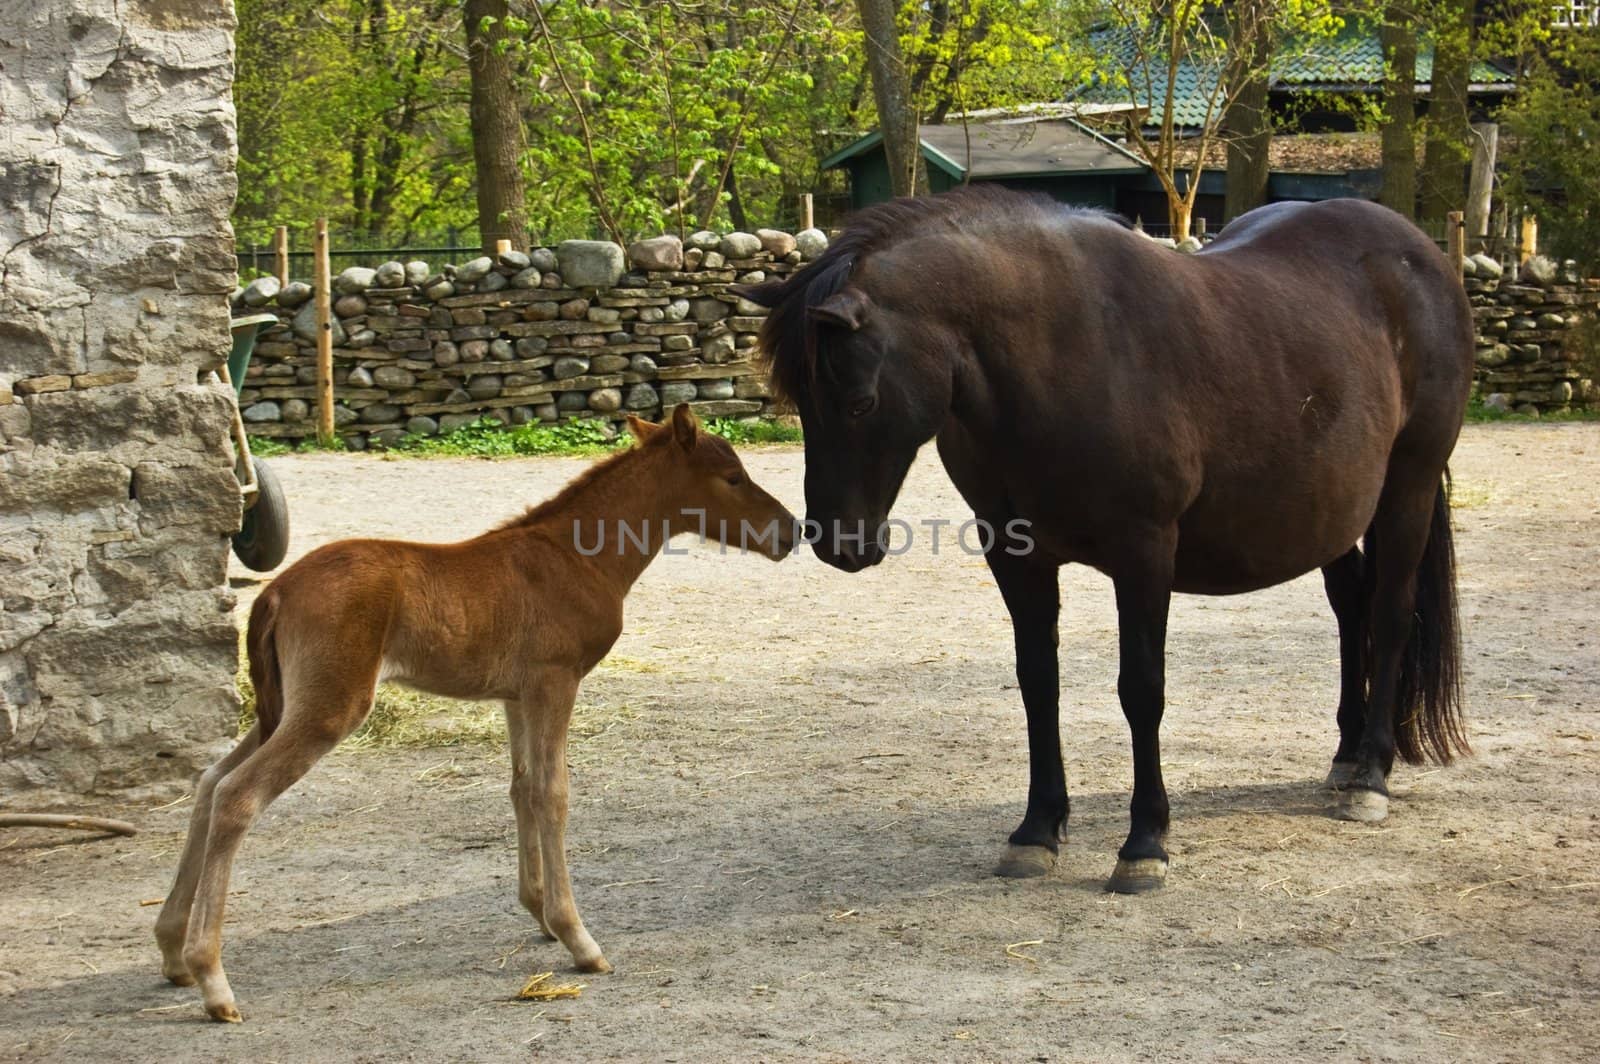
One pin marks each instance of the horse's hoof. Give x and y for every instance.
(224, 1013)
(1138, 876)
(598, 965)
(182, 978)
(1361, 805)
(1339, 775)
(1025, 862)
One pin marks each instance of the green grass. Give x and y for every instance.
(1478, 413)
(488, 438)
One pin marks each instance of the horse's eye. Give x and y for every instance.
(863, 406)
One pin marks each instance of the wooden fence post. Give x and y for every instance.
(1455, 233)
(806, 218)
(502, 246)
(324, 306)
(280, 254)
(1480, 187)
(1528, 244)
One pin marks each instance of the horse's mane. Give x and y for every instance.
(789, 340)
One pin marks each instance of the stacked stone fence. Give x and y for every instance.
(588, 330)
(582, 330)
(1538, 336)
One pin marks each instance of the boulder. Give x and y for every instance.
(475, 270)
(590, 263)
(810, 243)
(259, 292)
(776, 242)
(738, 245)
(657, 253)
(354, 281)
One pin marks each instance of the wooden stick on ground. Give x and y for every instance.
(56, 820)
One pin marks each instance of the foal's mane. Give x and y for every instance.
(789, 338)
(574, 487)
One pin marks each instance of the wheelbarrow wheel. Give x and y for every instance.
(264, 539)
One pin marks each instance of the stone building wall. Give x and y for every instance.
(117, 494)
(581, 330)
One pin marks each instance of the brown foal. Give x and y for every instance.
(520, 613)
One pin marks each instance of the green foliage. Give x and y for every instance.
(268, 447)
(1554, 137)
(488, 438)
(753, 431)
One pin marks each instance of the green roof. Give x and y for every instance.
(1350, 61)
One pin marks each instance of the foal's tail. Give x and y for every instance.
(266, 675)
(1428, 711)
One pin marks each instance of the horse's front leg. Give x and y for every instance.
(1033, 597)
(1144, 594)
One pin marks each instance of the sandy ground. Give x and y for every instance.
(790, 785)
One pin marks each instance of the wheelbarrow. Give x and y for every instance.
(263, 538)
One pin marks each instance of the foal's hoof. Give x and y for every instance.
(598, 965)
(225, 1013)
(1339, 775)
(1025, 862)
(1361, 805)
(182, 978)
(1138, 876)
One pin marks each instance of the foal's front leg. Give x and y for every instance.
(1144, 595)
(530, 866)
(546, 709)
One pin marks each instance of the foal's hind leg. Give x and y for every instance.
(173, 924)
(317, 717)
(1343, 580)
(546, 709)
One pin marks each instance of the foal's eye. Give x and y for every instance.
(863, 406)
(735, 479)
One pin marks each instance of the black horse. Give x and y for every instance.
(1211, 423)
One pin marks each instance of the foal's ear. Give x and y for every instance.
(642, 430)
(685, 429)
(846, 308)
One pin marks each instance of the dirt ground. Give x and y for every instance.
(790, 784)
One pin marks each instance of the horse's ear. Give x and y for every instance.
(642, 430)
(685, 429)
(846, 308)
(767, 294)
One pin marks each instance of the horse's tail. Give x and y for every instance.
(1428, 710)
(266, 674)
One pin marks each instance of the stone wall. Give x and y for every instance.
(117, 494)
(587, 330)
(581, 330)
(1538, 342)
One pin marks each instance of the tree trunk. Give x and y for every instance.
(1447, 148)
(898, 121)
(1399, 37)
(497, 135)
(1246, 123)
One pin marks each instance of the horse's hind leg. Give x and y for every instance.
(1395, 546)
(172, 926)
(1343, 580)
